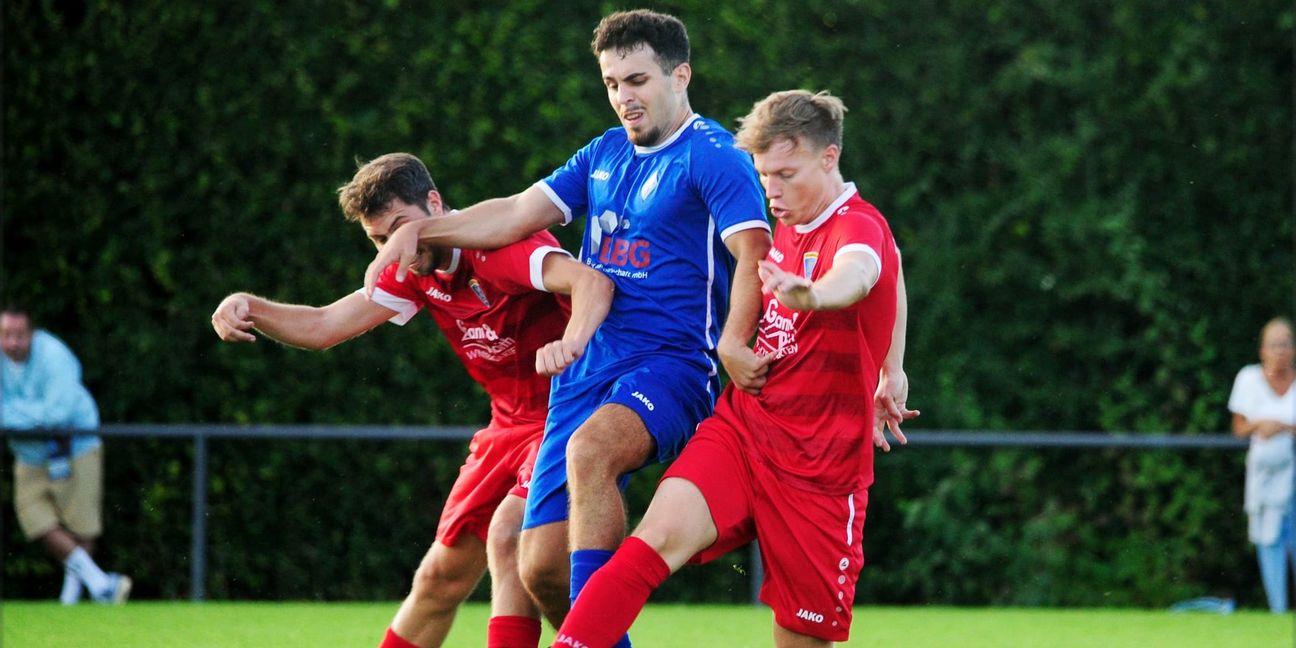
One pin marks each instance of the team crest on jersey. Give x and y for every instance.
(808, 262)
(648, 186)
(475, 286)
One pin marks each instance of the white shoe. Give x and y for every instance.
(118, 591)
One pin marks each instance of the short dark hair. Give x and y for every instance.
(395, 175)
(624, 31)
(15, 309)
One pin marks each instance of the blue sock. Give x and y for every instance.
(584, 562)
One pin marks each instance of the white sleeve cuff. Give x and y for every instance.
(558, 202)
(866, 249)
(405, 309)
(537, 264)
(745, 225)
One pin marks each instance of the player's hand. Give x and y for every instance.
(401, 248)
(553, 358)
(889, 408)
(231, 319)
(794, 291)
(746, 369)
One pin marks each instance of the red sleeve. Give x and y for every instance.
(516, 268)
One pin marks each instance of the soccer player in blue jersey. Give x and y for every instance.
(675, 216)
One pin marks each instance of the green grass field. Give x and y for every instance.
(290, 625)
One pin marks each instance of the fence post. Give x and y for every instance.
(198, 549)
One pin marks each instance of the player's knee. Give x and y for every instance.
(502, 541)
(443, 584)
(591, 456)
(544, 580)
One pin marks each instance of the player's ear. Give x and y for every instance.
(434, 204)
(831, 153)
(681, 76)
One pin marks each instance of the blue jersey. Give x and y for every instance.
(657, 220)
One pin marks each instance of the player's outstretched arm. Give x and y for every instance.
(488, 225)
(308, 327)
(746, 369)
(850, 279)
(591, 292)
(893, 384)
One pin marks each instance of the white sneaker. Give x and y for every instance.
(118, 590)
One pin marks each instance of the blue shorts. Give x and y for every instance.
(670, 396)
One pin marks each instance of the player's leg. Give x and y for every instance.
(677, 526)
(612, 442)
(543, 567)
(784, 638)
(444, 578)
(456, 561)
(648, 416)
(700, 511)
(515, 618)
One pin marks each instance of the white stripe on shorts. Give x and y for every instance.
(850, 521)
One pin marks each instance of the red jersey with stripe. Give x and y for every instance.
(495, 312)
(813, 420)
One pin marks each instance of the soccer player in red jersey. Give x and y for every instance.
(505, 313)
(790, 466)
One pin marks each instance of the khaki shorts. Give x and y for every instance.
(75, 503)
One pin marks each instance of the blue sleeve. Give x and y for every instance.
(729, 186)
(568, 185)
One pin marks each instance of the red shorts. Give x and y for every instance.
(811, 543)
(499, 463)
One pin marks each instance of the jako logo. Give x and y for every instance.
(809, 616)
(776, 255)
(644, 399)
(619, 252)
(437, 294)
(567, 640)
(600, 175)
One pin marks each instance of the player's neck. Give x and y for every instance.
(834, 185)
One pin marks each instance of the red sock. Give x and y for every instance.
(613, 597)
(393, 640)
(513, 632)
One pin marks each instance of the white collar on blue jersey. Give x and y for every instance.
(827, 213)
(648, 150)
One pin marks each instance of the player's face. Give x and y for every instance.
(798, 180)
(16, 336)
(1276, 350)
(650, 103)
(379, 228)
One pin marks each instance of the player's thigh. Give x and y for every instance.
(710, 484)
(34, 501)
(505, 528)
(614, 437)
(462, 564)
(678, 522)
(670, 398)
(81, 499)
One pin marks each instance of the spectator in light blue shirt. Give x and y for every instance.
(58, 479)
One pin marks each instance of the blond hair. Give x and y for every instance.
(798, 116)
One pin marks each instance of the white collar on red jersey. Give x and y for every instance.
(454, 263)
(827, 213)
(649, 150)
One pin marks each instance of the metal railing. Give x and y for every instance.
(200, 433)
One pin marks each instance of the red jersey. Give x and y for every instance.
(495, 312)
(813, 419)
